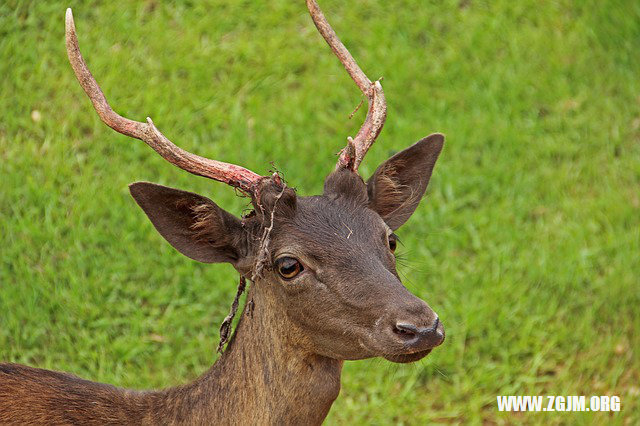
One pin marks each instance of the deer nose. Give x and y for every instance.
(420, 337)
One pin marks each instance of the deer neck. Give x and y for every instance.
(264, 375)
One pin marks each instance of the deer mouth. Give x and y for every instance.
(406, 358)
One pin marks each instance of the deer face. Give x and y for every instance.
(329, 260)
(326, 261)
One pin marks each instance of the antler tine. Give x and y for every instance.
(236, 176)
(353, 154)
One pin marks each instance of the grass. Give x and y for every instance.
(527, 245)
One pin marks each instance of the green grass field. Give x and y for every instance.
(527, 245)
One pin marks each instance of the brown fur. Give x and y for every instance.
(252, 383)
(394, 195)
(283, 364)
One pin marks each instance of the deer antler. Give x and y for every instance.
(352, 155)
(236, 176)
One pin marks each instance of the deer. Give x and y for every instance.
(322, 272)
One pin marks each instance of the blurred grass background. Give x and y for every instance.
(527, 244)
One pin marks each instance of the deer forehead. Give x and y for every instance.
(322, 225)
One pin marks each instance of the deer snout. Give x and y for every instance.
(420, 338)
(408, 329)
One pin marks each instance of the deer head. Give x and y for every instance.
(325, 263)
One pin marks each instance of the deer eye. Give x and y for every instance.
(393, 243)
(288, 267)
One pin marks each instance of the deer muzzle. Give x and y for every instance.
(411, 330)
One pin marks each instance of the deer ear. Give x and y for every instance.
(194, 225)
(396, 187)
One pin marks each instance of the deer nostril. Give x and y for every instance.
(406, 330)
(434, 327)
(410, 334)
